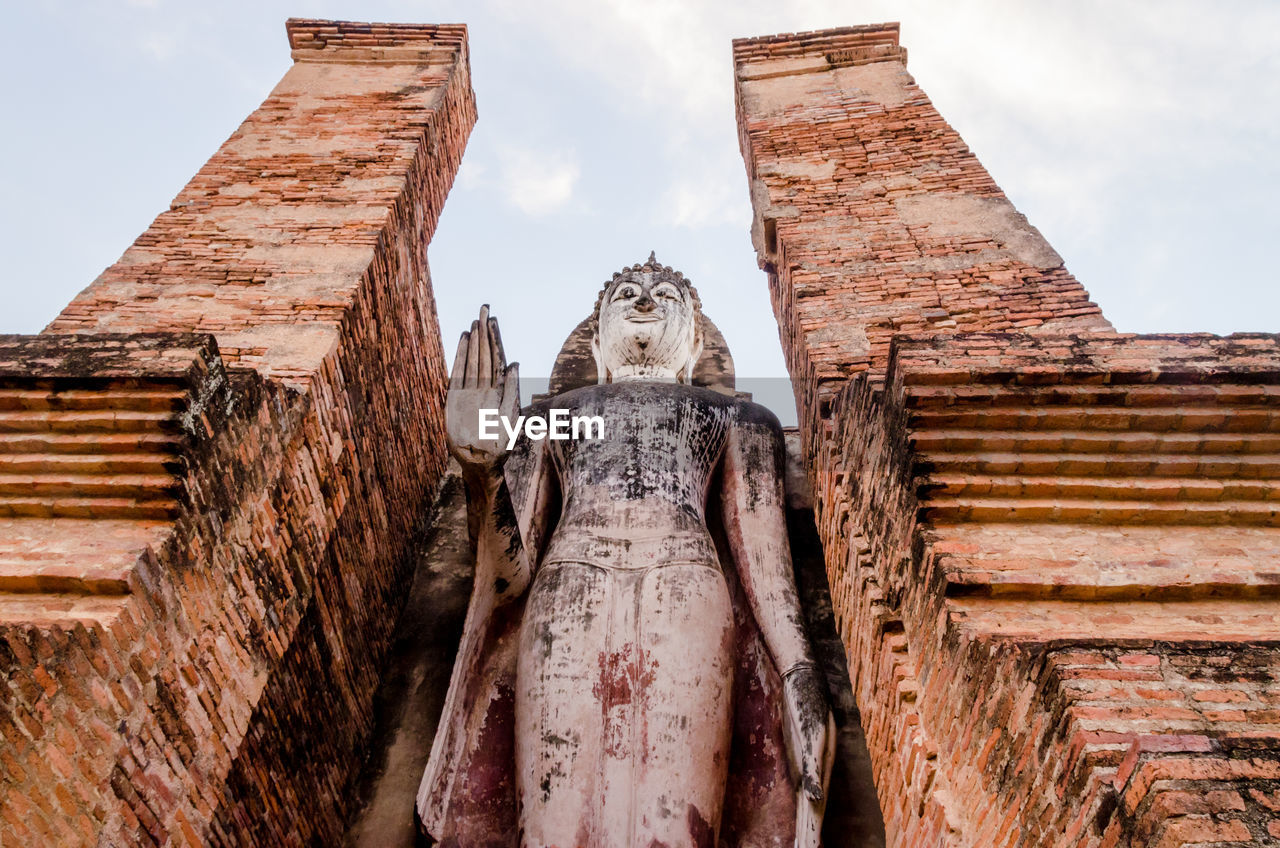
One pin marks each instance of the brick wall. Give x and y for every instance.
(1051, 547)
(872, 217)
(205, 536)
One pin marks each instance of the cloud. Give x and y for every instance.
(669, 59)
(538, 182)
(657, 51)
(162, 46)
(687, 204)
(471, 174)
(706, 196)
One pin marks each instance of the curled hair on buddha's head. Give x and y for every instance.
(660, 272)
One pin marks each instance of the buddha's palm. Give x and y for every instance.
(481, 379)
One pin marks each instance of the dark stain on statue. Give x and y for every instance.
(622, 674)
(701, 834)
(545, 637)
(489, 781)
(558, 740)
(617, 669)
(548, 779)
(754, 761)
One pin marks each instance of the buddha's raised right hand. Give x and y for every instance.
(481, 379)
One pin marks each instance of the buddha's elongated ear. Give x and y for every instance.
(686, 375)
(602, 376)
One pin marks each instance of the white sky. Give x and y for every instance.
(1140, 137)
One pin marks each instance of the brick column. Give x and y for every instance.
(872, 217)
(1051, 547)
(213, 460)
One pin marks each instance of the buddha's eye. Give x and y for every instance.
(625, 293)
(666, 292)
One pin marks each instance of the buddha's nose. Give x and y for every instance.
(644, 303)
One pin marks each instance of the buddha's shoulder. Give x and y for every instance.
(752, 414)
(639, 393)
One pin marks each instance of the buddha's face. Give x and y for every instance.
(647, 330)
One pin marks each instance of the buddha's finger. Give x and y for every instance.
(499, 355)
(807, 835)
(473, 356)
(812, 787)
(813, 764)
(511, 391)
(484, 368)
(457, 378)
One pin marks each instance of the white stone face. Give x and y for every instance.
(647, 330)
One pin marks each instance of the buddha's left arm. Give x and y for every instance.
(756, 526)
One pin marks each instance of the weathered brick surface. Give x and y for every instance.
(872, 217)
(203, 674)
(1006, 666)
(1051, 547)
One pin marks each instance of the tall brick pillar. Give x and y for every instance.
(212, 463)
(1052, 548)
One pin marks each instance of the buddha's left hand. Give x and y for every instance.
(810, 738)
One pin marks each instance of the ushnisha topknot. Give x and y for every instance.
(652, 266)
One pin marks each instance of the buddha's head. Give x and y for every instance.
(647, 325)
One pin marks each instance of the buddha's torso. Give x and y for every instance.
(624, 685)
(637, 497)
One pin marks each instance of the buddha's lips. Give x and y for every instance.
(644, 317)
